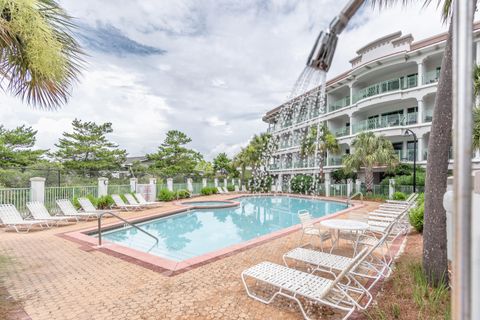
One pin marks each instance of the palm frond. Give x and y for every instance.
(40, 60)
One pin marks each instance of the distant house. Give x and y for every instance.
(129, 161)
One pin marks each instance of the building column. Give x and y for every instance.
(420, 73)
(37, 189)
(152, 186)
(477, 154)
(351, 124)
(133, 184)
(404, 151)
(477, 53)
(419, 148)
(327, 184)
(420, 111)
(350, 86)
(102, 187)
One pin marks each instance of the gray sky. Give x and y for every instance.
(210, 68)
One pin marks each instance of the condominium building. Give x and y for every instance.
(391, 87)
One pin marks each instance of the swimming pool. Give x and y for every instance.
(201, 231)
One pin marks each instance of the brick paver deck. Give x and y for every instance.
(55, 279)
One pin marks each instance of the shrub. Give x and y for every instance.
(416, 214)
(260, 184)
(75, 202)
(301, 184)
(166, 195)
(183, 194)
(104, 202)
(231, 187)
(208, 191)
(406, 180)
(399, 196)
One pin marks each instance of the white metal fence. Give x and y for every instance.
(17, 196)
(52, 194)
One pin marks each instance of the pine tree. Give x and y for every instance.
(173, 158)
(16, 147)
(87, 150)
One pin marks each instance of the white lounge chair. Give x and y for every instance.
(412, 197)
(225, 190)
(219, 189)
(39, 212)
(294, 284)
(88, 206)
(131, 200)
(237, 189)
(12, 219)
(69, 210)
(309, 229)
(141, 199)
(370, 267)
(122, 205)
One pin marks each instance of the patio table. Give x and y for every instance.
(352, 226)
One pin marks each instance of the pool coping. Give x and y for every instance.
(169, 267)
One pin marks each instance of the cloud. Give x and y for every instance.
(208, 68)
(108, 39)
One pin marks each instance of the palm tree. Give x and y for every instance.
(370, 151)
(39, 58)
(242, 160)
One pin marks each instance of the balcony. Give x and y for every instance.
(345, 131)
(385, 122)
(431, 76)
(335, 160)
(338, 104)
(386, 86)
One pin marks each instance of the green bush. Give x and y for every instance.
(406, 180)
(301, 184)
(104, 202)
(166, 195)
(75, 202)
(399, 196)
(208, 191)
(183, 194)
(416, 214)
(231, 187)
(260, 184)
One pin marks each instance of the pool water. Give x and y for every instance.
(200, 231)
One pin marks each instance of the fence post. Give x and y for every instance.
(327, 184)
(102, 187)
(476, 244)
(225, 182)
(215, 181)
(133, 184)
(448, 206)
(170, 184)
(358, 185)
(37, 189)
(349, 187)
(204, 182)
(391, 188)
(189, 185)
(152, 195)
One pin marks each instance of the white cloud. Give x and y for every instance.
(227, 62)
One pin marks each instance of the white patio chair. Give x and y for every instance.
(69, 210)
(131, 200)
(122, 205)
(294, 284)
(309, 229)
(144, 202)
(39, 212)
(370, 267)
(88, 206)
(12, 219)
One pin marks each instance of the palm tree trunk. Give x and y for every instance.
(369, 179)
(435, 225)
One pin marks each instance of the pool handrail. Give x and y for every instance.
(124, 220)
(349, 199)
